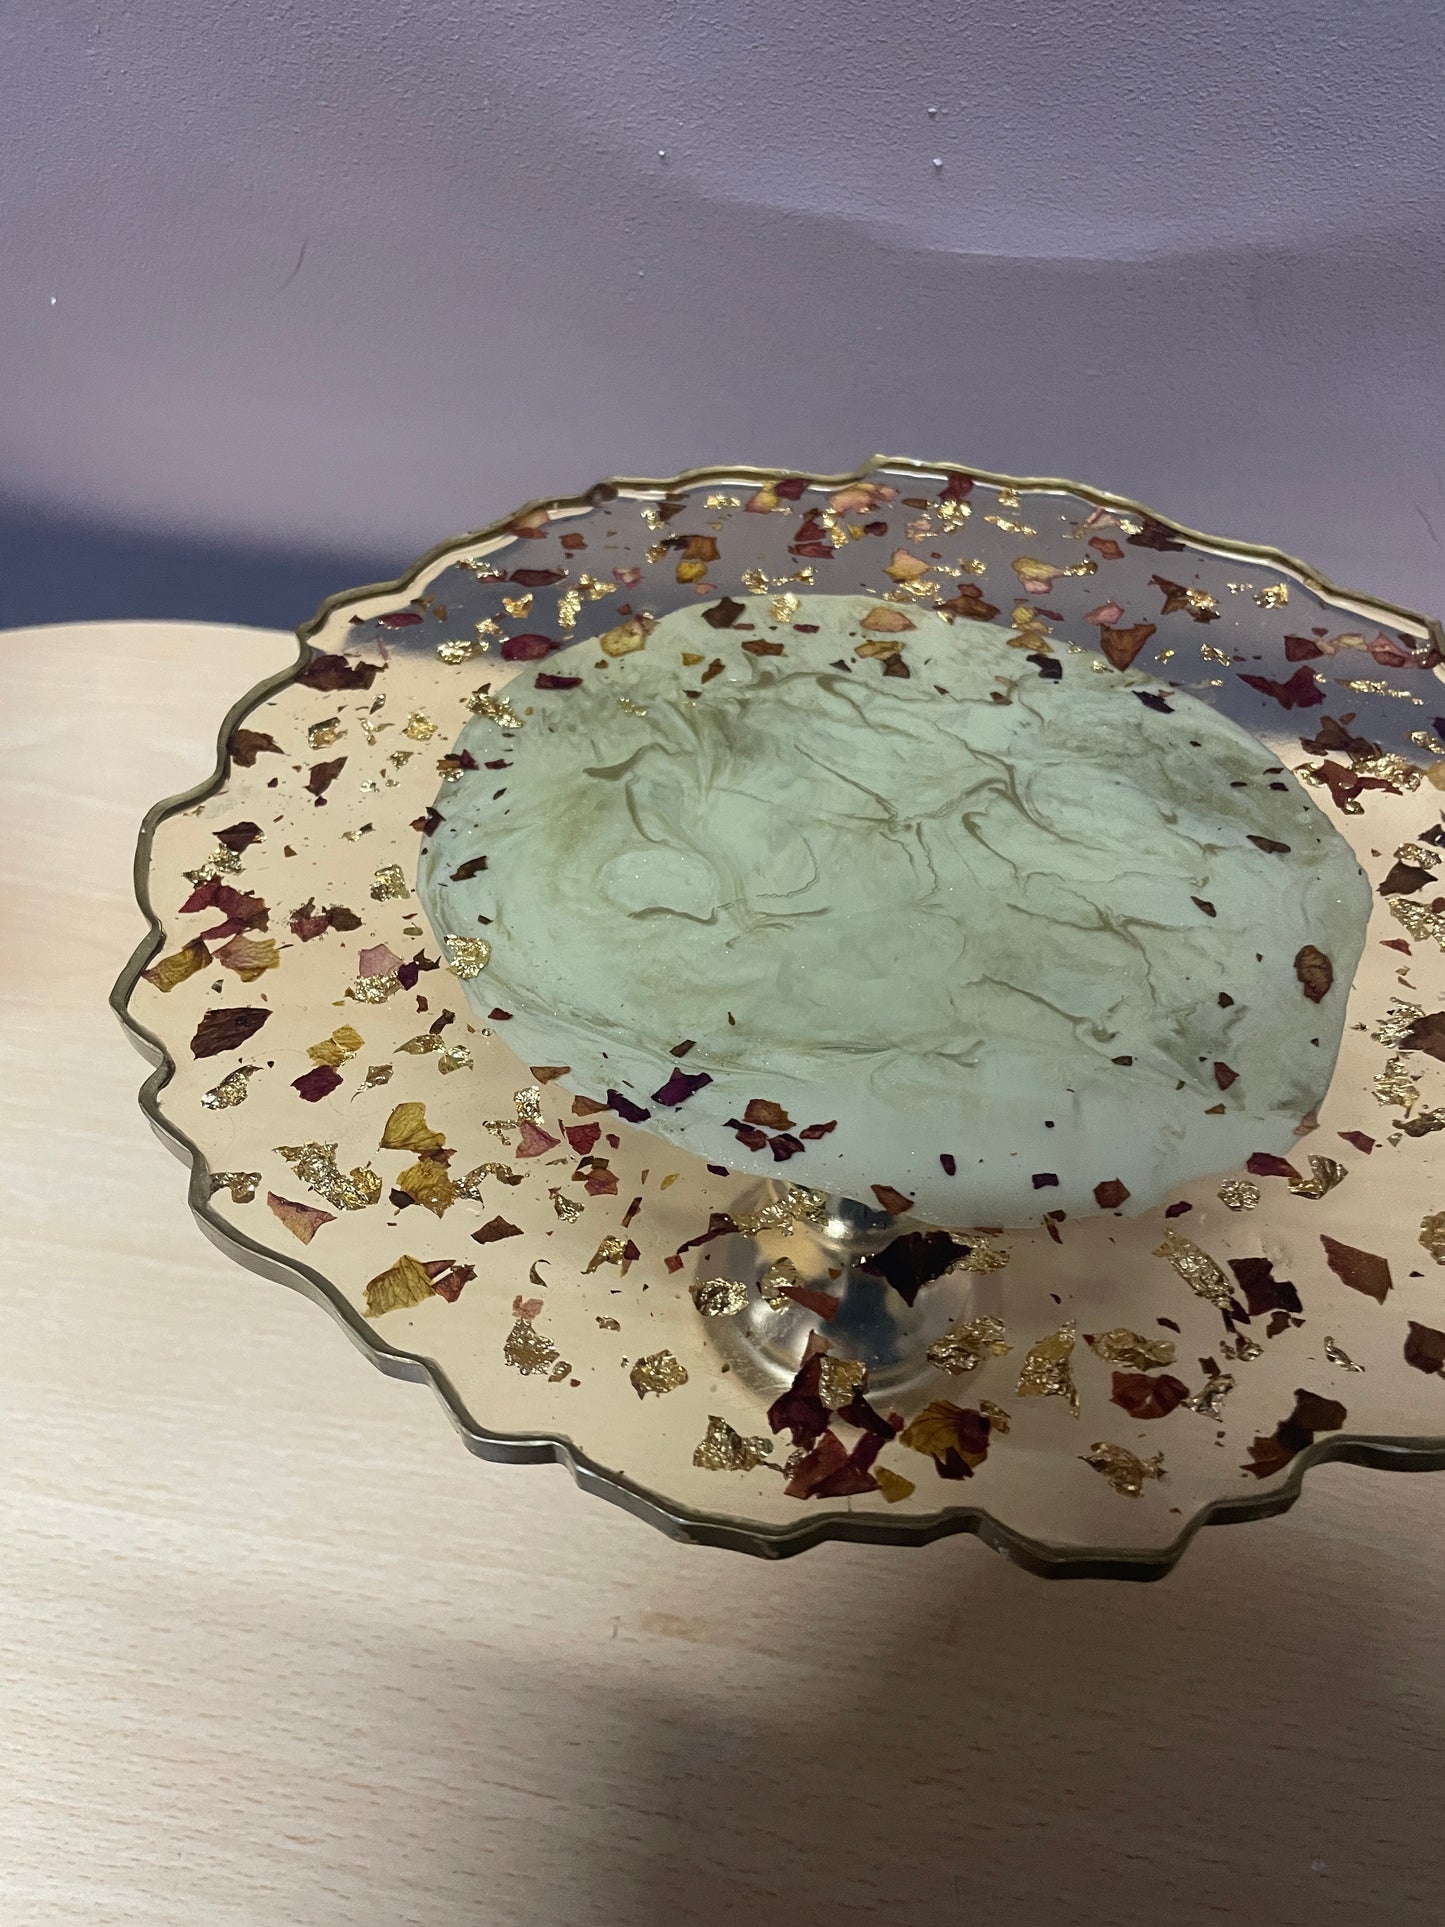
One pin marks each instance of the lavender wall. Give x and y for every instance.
(290, 291)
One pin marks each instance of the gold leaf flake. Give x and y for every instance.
(1432, 1235)
(519, 606)
(315, 1165)
(1397, 1085)
(1337, 1355)
(1244, 1350)
(1274, 595)
(423, 1045)
(952, 515)
(569, 605)
(659, 1372)
(230, 1091)
(1124, 1469)
(1239, 1194)
(969, 1345)
(468, 956)
(997, 1417)
(636, 709)
(428, 1184)
(402, 1285)
(1046, 1372)
(376, 1074)
(182, 963)
(983, 1255)
(626, 637)
(773, 1284)
(338, 1048)
(1421, 923)
(1395, 1026)
(1200, 601)
(420, 727)
(783, 608)
(495, 708)
(1131, 1349)
(455, 649)
(840, 1380)
(323, 734)
(240, 1184)
(399, 758)
(529, 1104)
(456, 1057)
(374, 990)
(389, 882)
(724, 1450)
(719, 1297)
(1390, 768)
(1195, 1267)
(531, 1354)
(1325, 1174)
(1424, 739)
(1211, 1396)
(893, 1486)
(1423, 855)
(407, 1130)
(1010, 526)
(1208, 653)
(755, 581)
(223, 863)
(657, 550)
(569, 1210)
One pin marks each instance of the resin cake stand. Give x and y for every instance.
(1081, 1393)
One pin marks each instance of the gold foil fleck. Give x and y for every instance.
(1195, 1267)
(1325, 1174)
(717, 501)
(323, 734)
(399, 758)
(997, 1417)
(455, 649)
(569, 605)
(657, 550)
(952, 515)
(1011, 527)
(1046, 1372)
(1211, 1396)
(471, 1185)
(338, 1048)
(1390, 768)
(389, 882)
(982, 1255)
(404, 1284)
(1208, 653)
(1396, 1024)
(518, 606)
(1239, 1194)
(807, 1206)
(496, 709)
(636, 709)
(567, 1209)
(1338, 1356)
(469, 956)
(1424, 1124)
(222, 862)
(1200, 602)
(1008, 498)
(659, 1372)
(1426, 740)
(1421, 923)
(783, 608)
(231, 1090)
(755, 581)
(529, 1104)
(892, 1485)
(421, 1046)
(528, 1352)
(719, 1297)
(626, 637)
(969, 1345)
(1274, 595)
(240, 1184)
(376, 1074)
(611, 1251)
(1397, 1085)
(316, 1166)
(1432, 1235)
(773, 1284)
(1423, 855)
(1243, 1350)
(374, 990)
(1131, 1349)
(1124, 1469)
(456, 1057)
(840, 1380)
(724, 1450)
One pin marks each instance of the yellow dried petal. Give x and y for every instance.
(407, 1130)
(402, 1285)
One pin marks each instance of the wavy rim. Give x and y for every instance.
(679, 1522)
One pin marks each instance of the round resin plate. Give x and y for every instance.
(743, 1361)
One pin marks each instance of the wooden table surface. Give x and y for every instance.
(274, 1648)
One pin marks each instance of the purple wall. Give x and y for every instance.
(1194, 252)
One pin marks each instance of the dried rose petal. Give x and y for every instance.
(528, 648)
(1300, 691)
(1363, 1271)
(680, 1087)
(1146, 1396)
(316, 1084)
(223, 1030)
(1315, 972)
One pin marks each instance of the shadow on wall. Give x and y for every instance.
(54, 570)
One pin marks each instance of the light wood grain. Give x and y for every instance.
(274, 1648)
